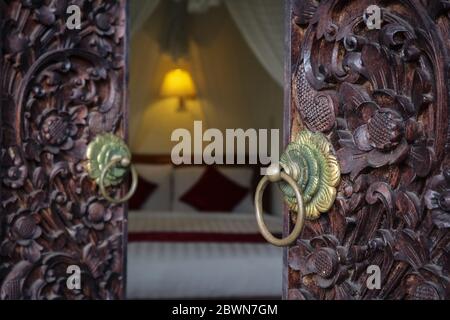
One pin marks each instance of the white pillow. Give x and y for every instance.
(160, 199)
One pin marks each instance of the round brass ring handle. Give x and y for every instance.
(276, 176)
(125, 162)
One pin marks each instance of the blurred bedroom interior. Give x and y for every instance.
(191, 228)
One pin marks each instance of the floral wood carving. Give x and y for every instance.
(382, 99)
(59, 88)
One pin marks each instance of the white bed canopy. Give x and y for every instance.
(260, 22)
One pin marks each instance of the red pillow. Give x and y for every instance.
(214, 192)
(143, 191)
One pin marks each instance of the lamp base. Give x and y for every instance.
(181, 105)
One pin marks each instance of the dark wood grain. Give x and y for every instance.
(382, 98)
(59, 88)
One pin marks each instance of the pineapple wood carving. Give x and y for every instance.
(59, 88)
(382, 99)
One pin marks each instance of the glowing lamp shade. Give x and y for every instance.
(178, 83)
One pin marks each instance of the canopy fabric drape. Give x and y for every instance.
(140, 11)
(261, 23)
(201, 6)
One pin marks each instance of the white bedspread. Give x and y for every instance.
(202, 269)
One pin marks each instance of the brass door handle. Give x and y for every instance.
(308, 178)
(275, 175)
(124, 162)
(109, 160)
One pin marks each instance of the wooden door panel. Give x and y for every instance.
(59, 88)
(381, 97)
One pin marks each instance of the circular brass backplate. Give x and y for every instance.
(101, 151)
(311, 161)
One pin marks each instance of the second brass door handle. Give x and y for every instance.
(109, 161)
(123, 162)
(308, 176)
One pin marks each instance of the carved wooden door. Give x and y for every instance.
(381, 96)
(59, 89)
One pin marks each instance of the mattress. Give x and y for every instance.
(201, 255)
